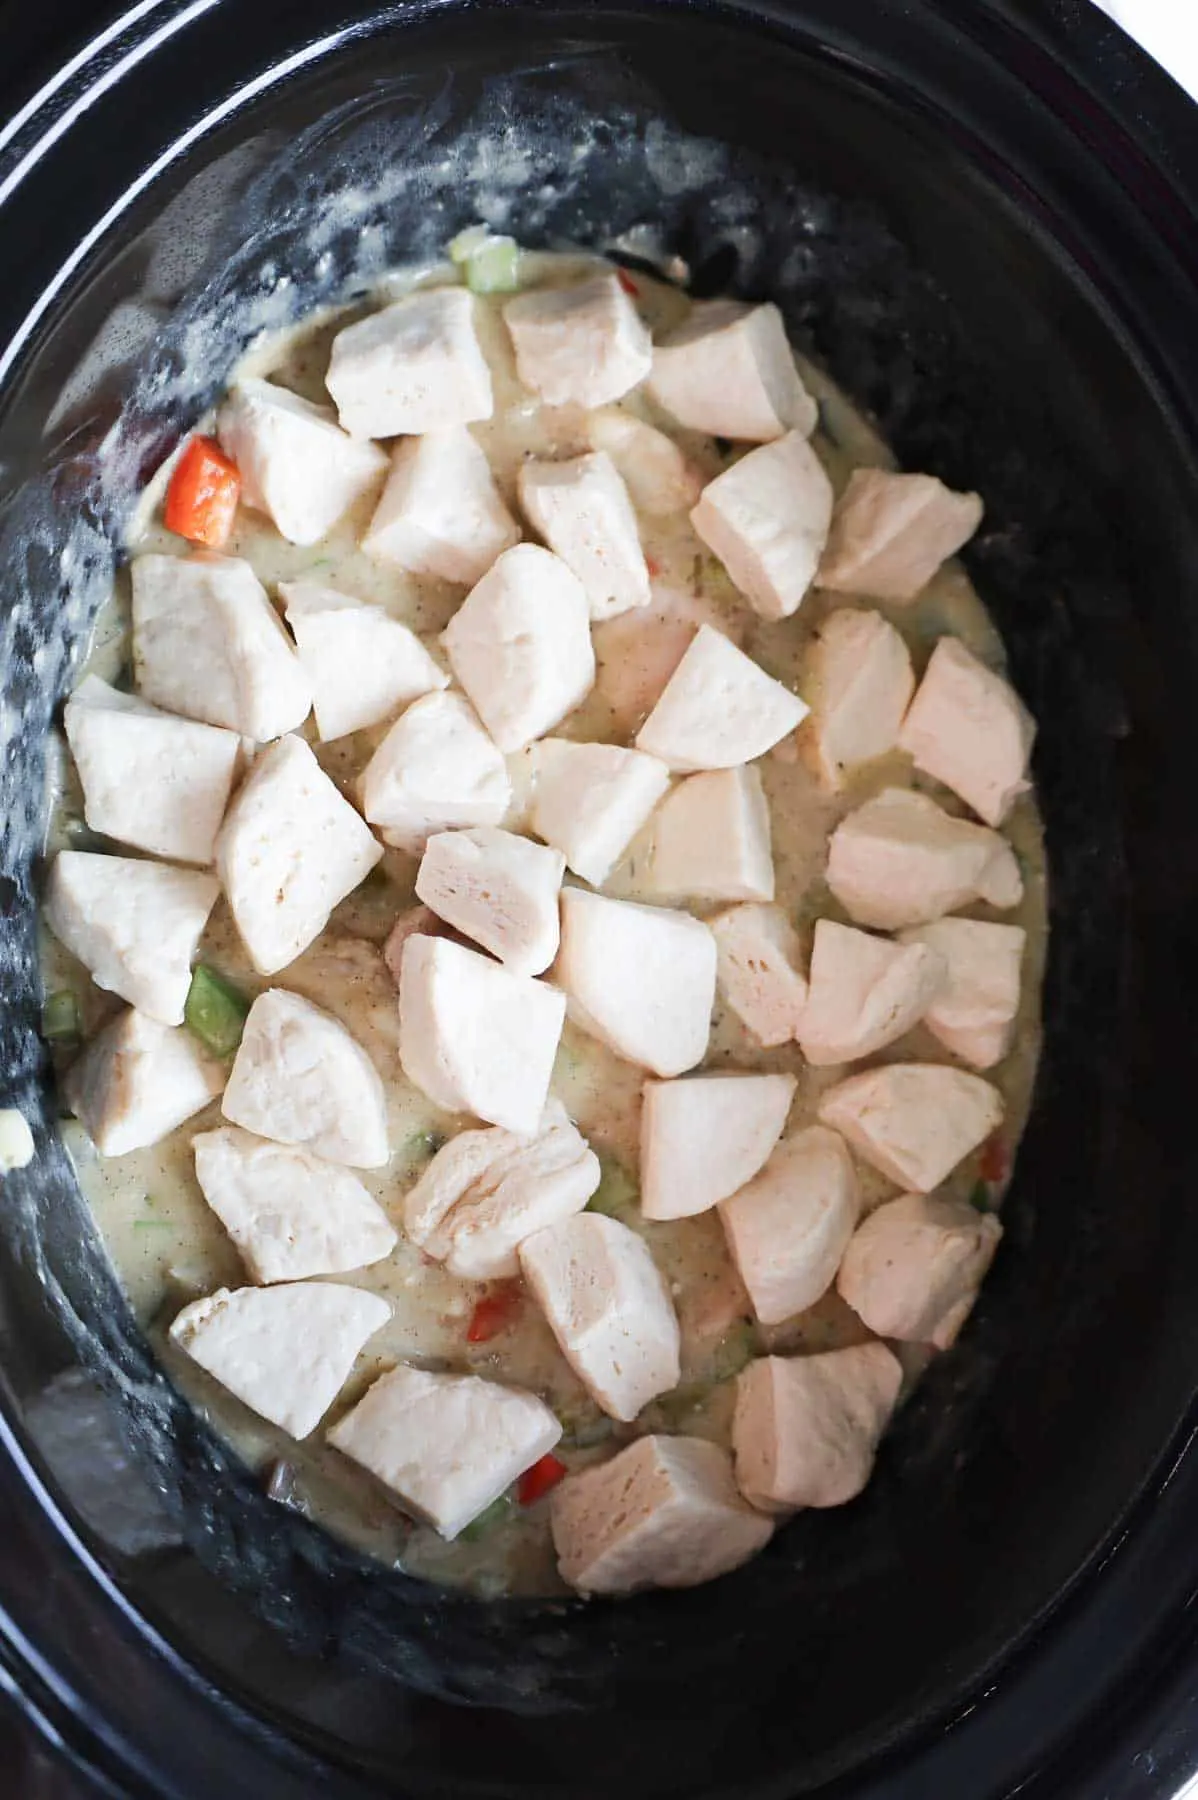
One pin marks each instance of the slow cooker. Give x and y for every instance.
(980, 214)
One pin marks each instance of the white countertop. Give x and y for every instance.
(1168, 30)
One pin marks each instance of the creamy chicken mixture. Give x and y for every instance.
(546, 925)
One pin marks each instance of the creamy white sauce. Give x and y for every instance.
(168, 1247)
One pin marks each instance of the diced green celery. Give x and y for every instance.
(466, 243)
(617, 1194)
(60, 1017)
(422, 1145)
(980, 1197)
(215, 1011)
(494, 268)
(487, 1520)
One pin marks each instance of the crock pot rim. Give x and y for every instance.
(1149, 114)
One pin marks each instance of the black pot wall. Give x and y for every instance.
(955, 250)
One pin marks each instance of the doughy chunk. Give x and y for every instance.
(757, 952)
(435, 769)
(864, 992)
(609, 1309)
(914, 1267)
(767, 520)
(730, 371)
(653, 468)
(913, 1121)
(498, 889)
(285, 1352)
(137, 1081)
(486, 1191)
(520, 644)
(787, 1228)
(968, 728)
(639, 652)
(806, 1428)
(364, 666)
(664, 1512)
(416, 366)
(583, 345)
(300, 1078)
(290, 1214)
(891, 533)
(973, 1015)
(448, 1445)
(704, 1137)
(901, 860)
(590, 800)
(718, 709)
(474, 1037)
(858, 682)
(289, 851)
(582, 510)
(297, 466)
(149, 779)
(135, 926)
(710, 839)
(640, 978)
(440, 512)
(208, 644)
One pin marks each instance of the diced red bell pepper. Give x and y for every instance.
(540, 1480)
(203, 493)
(992, 1164)
(628, 284)
(653, 566)
(493, 1314)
